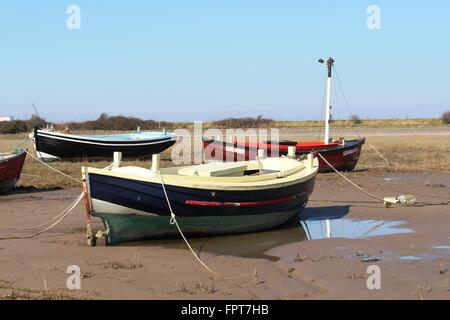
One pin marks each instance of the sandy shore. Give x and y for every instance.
(277, 264)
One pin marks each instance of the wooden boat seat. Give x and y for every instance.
(215, 169)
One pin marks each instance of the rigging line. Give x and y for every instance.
(35, 110)
(342, 91)
(347, 104)
(338, 106)
(370, 230)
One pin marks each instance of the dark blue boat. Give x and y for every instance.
(210, 199)
(52, 145)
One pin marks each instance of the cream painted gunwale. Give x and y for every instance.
(271, 180)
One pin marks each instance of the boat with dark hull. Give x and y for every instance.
(11, 165)
(342, 154)
(54, 145)
(208, 199)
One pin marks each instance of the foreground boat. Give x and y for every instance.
(208, 199)
(54, 145)
(341, 154)
(11, 165)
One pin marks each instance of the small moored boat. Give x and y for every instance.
(52, 145)
(207, 199)
(342, 155)
(11, 165)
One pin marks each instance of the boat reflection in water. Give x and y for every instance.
(256, 245)
(351, 229)
(248, 245)
(312, 224)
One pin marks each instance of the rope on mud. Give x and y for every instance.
(371, 194)
(58, 219)
(74, 203)
(349, 181)
(173, 220)
(54, 169)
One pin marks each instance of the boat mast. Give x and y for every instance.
(330, 63)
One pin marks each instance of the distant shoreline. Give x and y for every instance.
(123, 123)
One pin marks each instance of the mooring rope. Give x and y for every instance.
(58, 218)
(19, 144)
(54, 169)
(73, 203)
(371, 194)
(349, 181)
(173, 220)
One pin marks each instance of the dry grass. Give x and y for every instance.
(411, 153)
(118, 265)
(54, 294)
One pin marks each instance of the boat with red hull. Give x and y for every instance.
(343, 154)
(11, 165)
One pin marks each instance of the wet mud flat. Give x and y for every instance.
(323, 255)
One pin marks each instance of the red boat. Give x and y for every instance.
(11, 165)
(342, 155)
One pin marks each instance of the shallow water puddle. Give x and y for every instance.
(351, 229)
(248, 245)
(399, 178)
(255, 245)
(393, 178)
(441, 247)
(410, 258)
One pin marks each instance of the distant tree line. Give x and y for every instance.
(122, 123)
(18, 126)
(119, 123)
(247, 122)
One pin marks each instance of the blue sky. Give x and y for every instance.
(209, 59)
